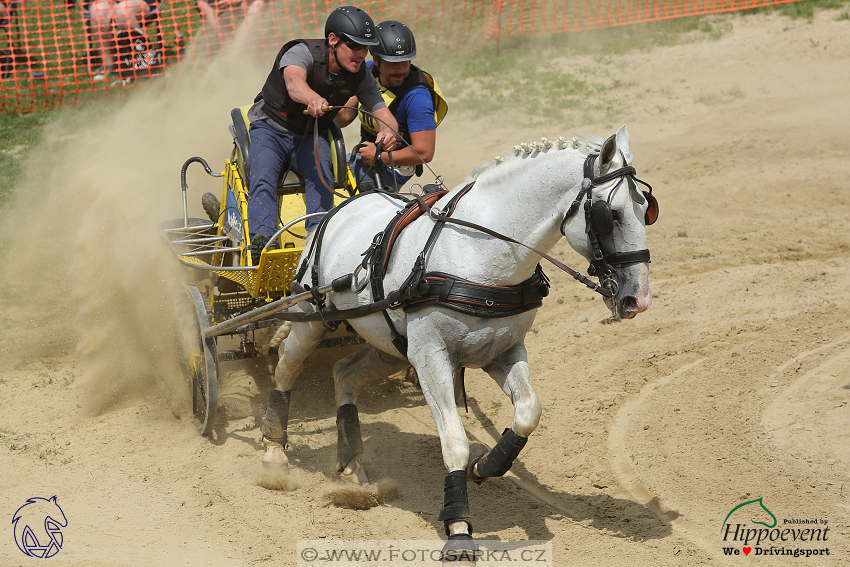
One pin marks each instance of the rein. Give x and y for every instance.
(440, 216)
(416, 285)
(378, 162)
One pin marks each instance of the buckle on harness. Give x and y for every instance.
(356, 285)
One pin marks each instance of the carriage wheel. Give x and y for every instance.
(202, 366)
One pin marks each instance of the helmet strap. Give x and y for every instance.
(333, 53)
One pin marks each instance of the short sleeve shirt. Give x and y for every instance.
(416, 110)
(299, 55)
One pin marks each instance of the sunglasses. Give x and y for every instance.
(354, 46)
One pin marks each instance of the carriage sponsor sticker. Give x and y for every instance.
(38, 527)
(422, 553)
(751, 529)
(232, 223)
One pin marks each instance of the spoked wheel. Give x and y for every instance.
(201, 362)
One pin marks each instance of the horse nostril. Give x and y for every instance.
(628, 306)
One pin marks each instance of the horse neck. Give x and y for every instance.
(527, 203)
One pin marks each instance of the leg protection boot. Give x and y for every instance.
(277, 416)
(499, 459)
(349, 441)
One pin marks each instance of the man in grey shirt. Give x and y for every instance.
(308, 74)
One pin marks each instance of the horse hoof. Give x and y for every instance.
(354, 473)
(460, 549)
(476, 451)
(274, 457)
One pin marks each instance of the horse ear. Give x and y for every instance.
(623, 144)
(609, 150)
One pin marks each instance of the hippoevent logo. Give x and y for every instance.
(793, 536)
(38, 527)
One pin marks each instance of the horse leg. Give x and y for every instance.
(301, 341)
(436, 376)
(510, 370)
(351, 375)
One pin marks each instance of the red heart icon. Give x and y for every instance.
(747, 550)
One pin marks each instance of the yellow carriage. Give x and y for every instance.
(234, 290)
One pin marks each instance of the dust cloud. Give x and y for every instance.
(90, 266)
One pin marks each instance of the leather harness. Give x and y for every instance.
(421, 289)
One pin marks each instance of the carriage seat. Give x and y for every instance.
(292, 182)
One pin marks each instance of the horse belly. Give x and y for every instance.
(472, 342)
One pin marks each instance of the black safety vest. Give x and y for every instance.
(290, 114)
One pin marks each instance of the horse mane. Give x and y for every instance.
(583, 143)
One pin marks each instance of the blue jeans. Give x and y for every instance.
(366, 181)
(271, 153)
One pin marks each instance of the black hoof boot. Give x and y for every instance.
(277, 416)
(349, 442)
(499, 459)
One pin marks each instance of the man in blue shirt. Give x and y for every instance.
(416, 103)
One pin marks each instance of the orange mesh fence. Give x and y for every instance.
(62, 52)
(512, 18)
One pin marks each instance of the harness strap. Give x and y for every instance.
(415, 284)
(410, 215)
(625, 258)
(592, 285)
(483, 300)
(316, 245)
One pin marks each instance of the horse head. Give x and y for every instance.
(609, 229)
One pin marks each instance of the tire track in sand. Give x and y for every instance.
(782, 415)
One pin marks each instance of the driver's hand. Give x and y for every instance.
(388, 139)
(367, 153)
(316, 106)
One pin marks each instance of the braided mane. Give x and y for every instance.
(584, 144)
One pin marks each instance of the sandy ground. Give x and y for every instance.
(734, 386)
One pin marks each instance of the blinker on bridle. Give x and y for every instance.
(599, 220)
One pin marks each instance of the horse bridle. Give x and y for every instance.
(599, 220)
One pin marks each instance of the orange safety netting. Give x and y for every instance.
(512, 18)
(60, 52)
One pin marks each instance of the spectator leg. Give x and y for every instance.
(100, 24)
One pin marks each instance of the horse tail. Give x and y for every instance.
(280, 335)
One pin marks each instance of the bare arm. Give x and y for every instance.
(299, 91)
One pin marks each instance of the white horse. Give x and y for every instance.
(525, 196)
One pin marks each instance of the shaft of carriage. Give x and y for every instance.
(339, 284)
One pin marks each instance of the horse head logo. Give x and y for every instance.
(753, 510)
(38, 526)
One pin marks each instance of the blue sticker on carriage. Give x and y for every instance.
(38, 527)
(232, 223)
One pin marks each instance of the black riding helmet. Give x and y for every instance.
(396, 42)
(350, 22)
